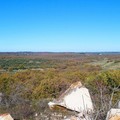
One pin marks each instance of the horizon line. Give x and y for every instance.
(59, 51)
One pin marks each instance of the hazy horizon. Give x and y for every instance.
(59, 25)
(59, 52)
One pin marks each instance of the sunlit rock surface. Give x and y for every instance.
(6, 117)
(113, 114)
(75, 98)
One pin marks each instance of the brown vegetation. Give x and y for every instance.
(27, 79)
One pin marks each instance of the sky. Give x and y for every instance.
(60, 25)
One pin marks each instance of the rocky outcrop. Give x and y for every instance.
(77, 99)
(6, 117)
(113, 114)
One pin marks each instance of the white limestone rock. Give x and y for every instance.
(6, 117)
(76, 98)
(113, 114)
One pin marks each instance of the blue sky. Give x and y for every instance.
(59, 25)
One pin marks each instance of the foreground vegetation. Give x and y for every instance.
(28, 81)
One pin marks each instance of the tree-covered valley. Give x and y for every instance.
(29, 80)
